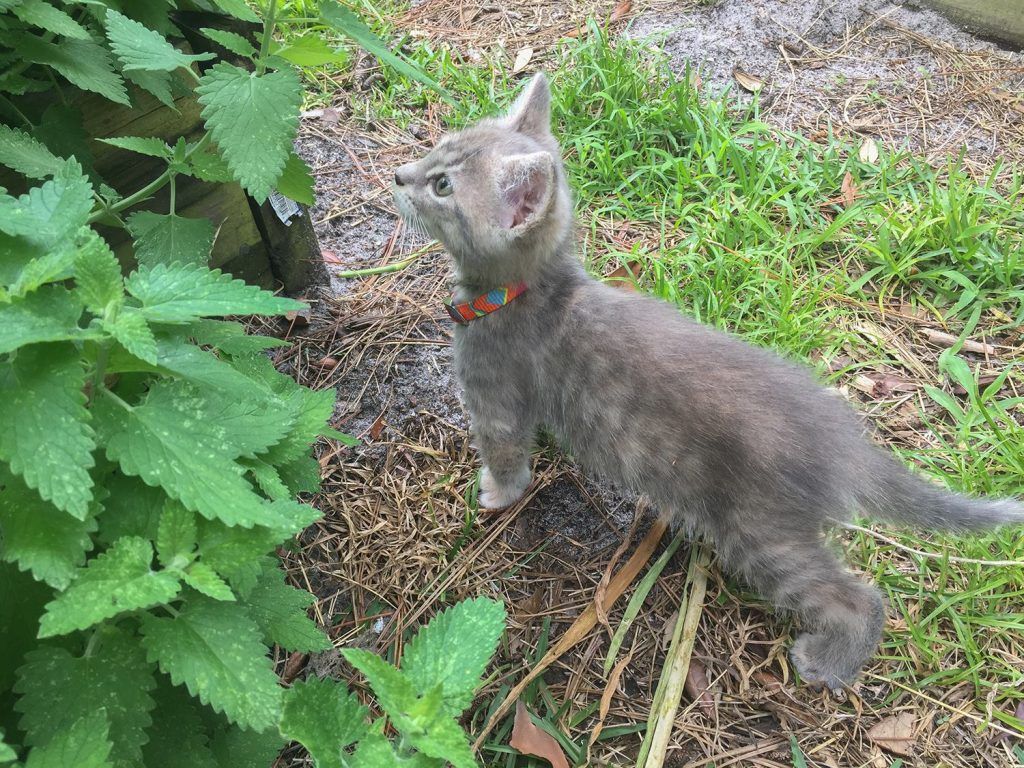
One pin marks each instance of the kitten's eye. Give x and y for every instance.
(442, 185)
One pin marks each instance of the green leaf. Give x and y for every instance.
(375, 751)
(267, 479)
(58, 688)
(7, 754)
(230, 40)
(121, 579)
(313, 410)
(181, 293)
(253, 119)
(302, 475)
(83, 62)
(39, 13)
(213, 648)
(209, 166)
(52, 212)
(237, 8)
(231, 337)
(23, 154)
(235, 748)
(98, 277)
(202, 578)
(236, 553)
(133, 333)
(310, 51)
(296, 182)
(421, 719)
(49, 314)
(325, 718)
(167, 442)
(176, 536)
(139, 47)
(454, 649)
(141, 145)
(177, 738)
(38, 537)
(216, 377)
(345, 21)
(168, 238)
(42, 399)
(86, 744)
(280, 612)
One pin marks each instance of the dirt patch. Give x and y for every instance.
(900, 73)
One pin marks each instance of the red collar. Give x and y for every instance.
(484, 304)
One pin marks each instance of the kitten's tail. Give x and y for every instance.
(893, 493)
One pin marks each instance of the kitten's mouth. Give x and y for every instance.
(407, 211)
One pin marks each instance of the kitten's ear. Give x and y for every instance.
(525, 187)
(531, 113)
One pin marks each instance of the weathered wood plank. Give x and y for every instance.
(999, 19)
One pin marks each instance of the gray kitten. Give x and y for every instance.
(727, 438)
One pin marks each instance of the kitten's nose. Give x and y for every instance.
(401, 179)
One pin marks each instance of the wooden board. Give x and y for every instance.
(998, 19)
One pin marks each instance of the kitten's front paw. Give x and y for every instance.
(495, 496)
(820, 663)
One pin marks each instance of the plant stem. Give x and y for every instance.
(174, 191)
(148, 190)
(268, 32)
(116, 399)
(394, 267)
(100, 370)
(90, 647)
(14, 108)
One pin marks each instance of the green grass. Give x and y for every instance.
(745, 231)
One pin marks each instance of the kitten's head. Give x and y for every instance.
(494, 194)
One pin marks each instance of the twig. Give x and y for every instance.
(582, 626)
(929, 555)
(677, 663)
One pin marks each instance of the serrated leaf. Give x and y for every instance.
(121, 579)
(267, 479)
(202, 578)
(237, 8)
(7, 754)
(176, 535)
(231, 337)
(280, 612)
(42, 398)
(49, 314)
(85, 744)
(253, 119)
(57, 688)
(83, 62)
(23, 154)
(133, 509)
(420, 718)
(213, 648)
(177, 738)
(139, 47)
(133, 333)
(215, 377)
(25, 266)
(181, 293)
(209, 166)
(38, 537)
(167, 442)
(345, 21)
(62, 130)
(325, 718)
(313, 410)
(98, 276)
(236, 553)
(156, 83)
(454, 649)
(310, 51)
(41, 14)
(235, 748)
(52, 212)
(296, 183)
(142, 145)
(375, 751)
(230, 40)
(168, 238)
(301, 475)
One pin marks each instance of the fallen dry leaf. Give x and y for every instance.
(330, 116)
(768, 681)
(895, 734)
(601, 593)
(531, 740)
(849, 190)
(868, 151)
(330, 257)
(606, 697)
(297, 317)
(377, 427)
(747, 81)
(327, 362)
(522, 59)
(625, 276)
(620, 10)
(696, 687)
(293, 666)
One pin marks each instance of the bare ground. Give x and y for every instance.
(399, 538)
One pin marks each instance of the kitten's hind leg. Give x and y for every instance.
(506, 456)
(842, 616)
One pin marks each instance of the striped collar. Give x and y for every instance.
(484, 304)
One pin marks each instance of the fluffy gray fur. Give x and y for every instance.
(726, 438)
